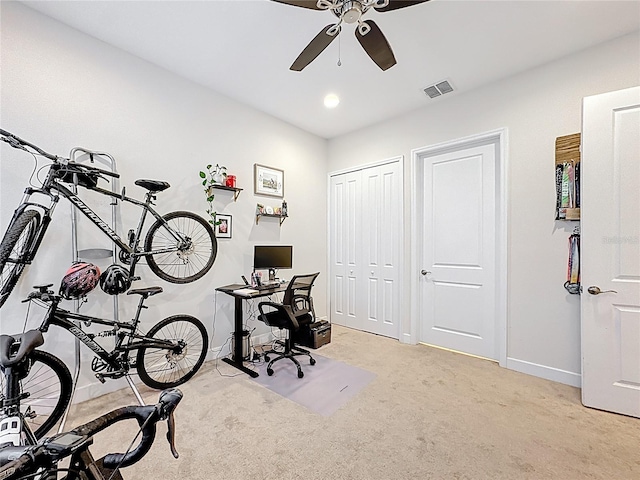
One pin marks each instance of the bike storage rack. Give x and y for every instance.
(80, 155)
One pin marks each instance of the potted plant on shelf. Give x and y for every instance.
(215, 175)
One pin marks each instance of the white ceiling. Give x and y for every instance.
(243, 49)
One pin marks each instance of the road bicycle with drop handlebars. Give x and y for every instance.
(41, 461)
(179, 247)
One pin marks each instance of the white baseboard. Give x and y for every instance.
(542, 371)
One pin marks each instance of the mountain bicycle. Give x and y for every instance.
(40, 461)
(170, 354)
(35, 388)
(179, 247)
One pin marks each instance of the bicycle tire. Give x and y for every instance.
(184, 266)
(49, 385)
(17, 241)
(159, 368)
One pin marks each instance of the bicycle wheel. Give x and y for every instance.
(166, 368)
(188, 260)
(49, 386)
(13, 249)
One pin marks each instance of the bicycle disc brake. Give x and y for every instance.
(185, 249)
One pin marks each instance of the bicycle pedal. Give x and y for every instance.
(100, 377)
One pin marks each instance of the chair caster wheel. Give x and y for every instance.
(269, 371)
(300, 374)
(266, 357)
(312, 361)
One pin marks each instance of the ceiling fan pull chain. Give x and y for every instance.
(339, 61)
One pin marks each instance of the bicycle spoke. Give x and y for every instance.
(160, 367)
(188, 259)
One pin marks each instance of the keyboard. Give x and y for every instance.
(268, 286)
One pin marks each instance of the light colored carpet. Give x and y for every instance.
(325, 387)
(428, 414)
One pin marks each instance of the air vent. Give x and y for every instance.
(438, 89)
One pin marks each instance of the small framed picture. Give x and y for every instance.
(223, 227)
(268, 181)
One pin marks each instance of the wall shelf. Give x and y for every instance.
(272, 215)
(236, 191)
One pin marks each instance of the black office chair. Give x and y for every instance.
(293, 314)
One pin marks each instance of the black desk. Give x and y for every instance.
(236, 348)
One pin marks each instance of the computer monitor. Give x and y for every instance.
(272, 257)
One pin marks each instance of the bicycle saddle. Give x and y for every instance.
(28, 342)
(152, 185)
(145, 292)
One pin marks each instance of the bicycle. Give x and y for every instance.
(40, 461)
(179, 247)
(35, 388)
(170, 353)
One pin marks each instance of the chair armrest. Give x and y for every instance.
(284, 310)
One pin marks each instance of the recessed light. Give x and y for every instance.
(331, 100)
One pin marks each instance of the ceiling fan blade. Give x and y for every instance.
(315, 48)
(376, 46)
(396, 4)
(311, 4)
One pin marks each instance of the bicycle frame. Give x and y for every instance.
(131, 249)
(122, 330)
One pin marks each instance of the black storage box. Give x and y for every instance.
(313, 335)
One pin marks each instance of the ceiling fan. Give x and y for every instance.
(350, 11)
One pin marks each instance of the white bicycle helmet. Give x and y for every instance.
(79, 280)
(115, 280)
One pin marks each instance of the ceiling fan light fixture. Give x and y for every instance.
(331, 100)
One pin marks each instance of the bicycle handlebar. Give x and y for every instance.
(146, 416)
(51, 450)
(19, 143)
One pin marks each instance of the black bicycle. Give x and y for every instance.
(169, 354)
(35, 388)
(180, 247)
(41, 461)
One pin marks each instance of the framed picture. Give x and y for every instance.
(268, 181)
(223, 228)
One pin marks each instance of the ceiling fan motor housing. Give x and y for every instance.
(351, 11)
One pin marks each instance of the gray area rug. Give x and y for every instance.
(325, 387)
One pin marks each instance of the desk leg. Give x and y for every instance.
(236, 349)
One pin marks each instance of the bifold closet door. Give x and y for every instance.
(345, 226)
(365, 244)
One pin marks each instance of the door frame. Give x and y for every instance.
(401, 256)
(499, 139)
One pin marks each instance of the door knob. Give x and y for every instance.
(425, 272)
(593, 290)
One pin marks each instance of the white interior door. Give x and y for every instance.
(458, 287)
(365, 248)
(380, 243)
(610, 251)
(345, 227)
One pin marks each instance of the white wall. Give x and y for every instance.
(536, 107)
(61, 89)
